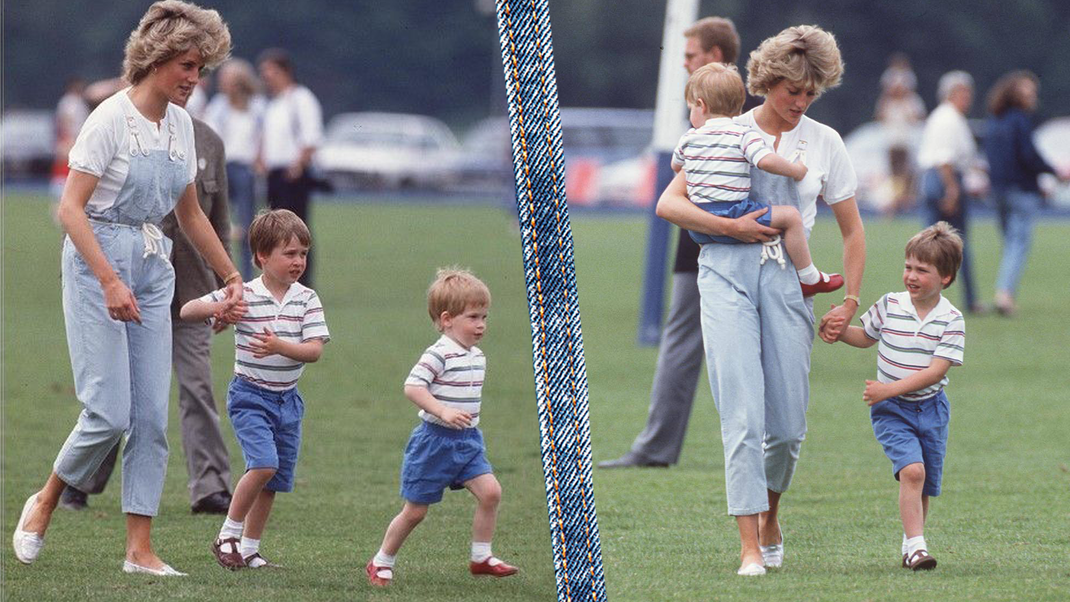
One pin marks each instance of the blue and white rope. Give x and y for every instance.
(557, 342)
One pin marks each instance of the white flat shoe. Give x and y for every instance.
(164, 571)
(27, 545)
(751, 570)
(773, 556)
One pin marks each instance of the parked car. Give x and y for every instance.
(869, 146)
(28, 143)
(485, 162)
(386, 150)
(1052, 140)
(594, 138)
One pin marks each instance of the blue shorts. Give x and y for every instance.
(268, 426)
(438, 457)
(732, 209)
(914, 431)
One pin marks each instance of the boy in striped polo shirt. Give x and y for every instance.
(921, 335)
(716, 156)
(446, 449)
(282, 329)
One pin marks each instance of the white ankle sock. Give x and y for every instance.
(480, 551)
(916, 543)
(231, 529)
(382, 559)
(904, 543)
(809, 275)
(249, 546)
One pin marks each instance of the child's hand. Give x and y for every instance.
(875, 392)
(832, 326)
(266, 343)
(455, 418)
(800, 171)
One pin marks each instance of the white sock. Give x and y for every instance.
(904, 543)
(916, 543)
(480, 551)
(383, 559)
(231, 529)
(809, 275)
(249, 546)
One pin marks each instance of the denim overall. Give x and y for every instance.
(122, 370)
(757, 331)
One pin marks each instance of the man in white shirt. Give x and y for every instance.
(947, 151)
(293, 128)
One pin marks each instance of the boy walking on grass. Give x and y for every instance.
(446, 449)
(282, 329)
(921, 335)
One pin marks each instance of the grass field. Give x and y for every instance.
(1001, 530)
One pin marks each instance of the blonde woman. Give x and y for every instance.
(758, 329)
(133, 162)
(237, 115)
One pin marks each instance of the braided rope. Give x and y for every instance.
(557, 342)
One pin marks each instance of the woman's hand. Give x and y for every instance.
(833, 322)
(233, 305)
(120, 301)
(747, 229)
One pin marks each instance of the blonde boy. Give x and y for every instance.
(282, 329)
(716, 155)
(446, 449)
(921, 336)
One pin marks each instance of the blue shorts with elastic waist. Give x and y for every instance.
(913, 432)
(268, 426)
(438, 457)
(732, 209)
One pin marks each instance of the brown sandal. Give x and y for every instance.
(231, 560)
(921, 560)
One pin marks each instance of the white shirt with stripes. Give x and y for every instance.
(908, 343)
(453, 375)
(717, 158)
(298, 318)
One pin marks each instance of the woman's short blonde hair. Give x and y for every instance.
(168, 29)
(719, 87)
(805, 55)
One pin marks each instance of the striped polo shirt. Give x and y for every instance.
(298, 318)
(907, 343)
(717, 158)
(453, 375)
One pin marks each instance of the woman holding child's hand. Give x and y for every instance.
(758, 330)
(133, 162)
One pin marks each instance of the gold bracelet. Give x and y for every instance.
(231, 276)
(854, 298)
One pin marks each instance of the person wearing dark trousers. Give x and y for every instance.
(293, 128)
(680, 352)
(946, 152)
(207, 459)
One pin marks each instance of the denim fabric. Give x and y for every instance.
(241, 188)
(1017, 210)
(931, 191)
(549, 272)
(267, 425)
(122, 370)
(437, 457)
(913, 432)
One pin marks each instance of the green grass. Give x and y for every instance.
(1001, 530)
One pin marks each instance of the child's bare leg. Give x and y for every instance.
(402, 525)
(248, 490)
(788, 219)
(911, 506)
(488, 493)
(257, 517)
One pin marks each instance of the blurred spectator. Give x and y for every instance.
(293, 128)
(900, 109)
(71, 113)
(1013, 169)
(236, 113)
(946, 153)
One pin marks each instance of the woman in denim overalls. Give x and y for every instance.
(117, 280)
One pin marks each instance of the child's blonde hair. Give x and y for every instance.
(719, 87)
(453, 291)
(940, 246)
(273, 229)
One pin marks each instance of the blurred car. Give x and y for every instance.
(1052, 140)
(386, 150)
(869, 146)
(485, 161)
(594, 138)
(28, 143)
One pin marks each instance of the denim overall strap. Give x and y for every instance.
(557, 342)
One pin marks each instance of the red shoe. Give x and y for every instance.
(497, 570)
(827, 284)
(379, 576)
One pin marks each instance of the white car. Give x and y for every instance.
(1053, 143)
(386, 150)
